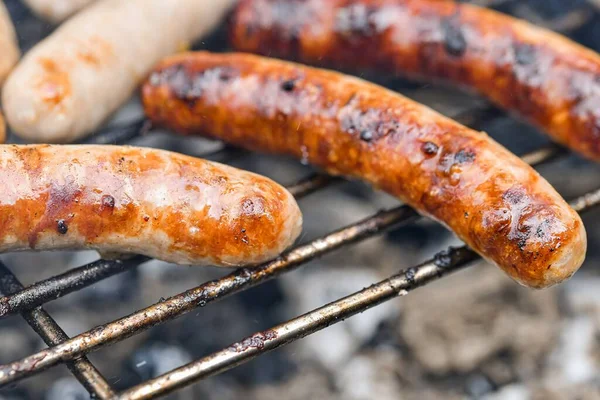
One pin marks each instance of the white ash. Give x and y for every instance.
(336, 344)
(510, 392)
(573, 357)
(468, 318)
(67, 389)
(370, 376)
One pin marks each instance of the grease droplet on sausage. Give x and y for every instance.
(288, 85)
(108, 201)
(366, 136)
(430, 148)
(454, 39)
(524, 54)
(61, 226)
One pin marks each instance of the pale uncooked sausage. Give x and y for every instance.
(56, 11)
(9, 48)
(69, 83)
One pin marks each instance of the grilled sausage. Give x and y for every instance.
(9, 48)
(143, 201)
(490, 198)
(2, 129)
(72, 81)
(56, 11)
(547, 79)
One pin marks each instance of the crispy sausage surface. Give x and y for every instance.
(9, 48)
(141, 201)
(2, 129)
(56, 11)
(73, 80)
(544, 77)
(490, 198)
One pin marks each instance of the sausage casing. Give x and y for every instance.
(56, 11)
(121, 200)
(9, 48)
(72, 81)
(490, 198)
(2, 129)
(542, 76)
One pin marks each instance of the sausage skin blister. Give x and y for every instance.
(490, 198)
(56, 11)
(9, 47)
(127, 200)
(72, 81)
(542, 76)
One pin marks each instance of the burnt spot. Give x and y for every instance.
(288, 85)
(544, 230)
(368, 125)
(248, 206)
(59, 202)
(525, 54)
(253, 206)
(355, 19)
(520, 235)
(61, 226)
(108, 202)
(464, 156)
(224, 75)
(514, 195)
(250, 30)
(256, 341)
(180, 83)
(189, 86)
(449, 162)
(443, 259)
(366, 136)
(410, 275)
(430, 148)
(146, 218)
(455, 42)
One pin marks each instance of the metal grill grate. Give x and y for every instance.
(28, 301)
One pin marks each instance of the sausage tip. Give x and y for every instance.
(569, 259)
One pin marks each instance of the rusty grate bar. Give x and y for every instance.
(217, 289)
(312, 184)
(121, 134)
(45, 326)
(60, 285)
(200, 296)
(259, 343)
(78, 278)
(297, 328)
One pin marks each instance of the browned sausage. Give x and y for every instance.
(489, 197)
(547, 79)
(2, 129)
(142, 201)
